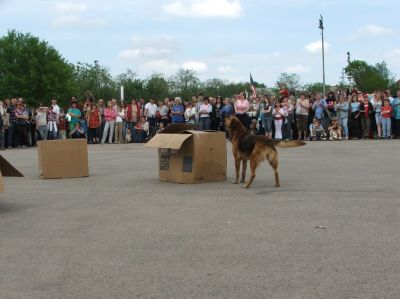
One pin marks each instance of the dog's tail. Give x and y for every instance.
(291, 143)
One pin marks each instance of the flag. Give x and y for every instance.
(252, 87)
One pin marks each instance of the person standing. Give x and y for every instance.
(342, 111)
(110, 115)
(2, 118)
(132, 117)
(367, 112)
(279, 115)
(150, 111)
(21, 118)
(396, 113)
(12, 125)
(302, 107)
(177, 112)
(94, 124)
(242, 106)
(288, 108)
(205, 111)
(266, 117)
(73, 115)
(119, 126)
(377, 104)
(56, 108)
(386, 119)
(41, 122)
(355, 118)
(52, 121)
(190, 114)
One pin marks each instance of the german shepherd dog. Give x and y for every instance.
(254, 148)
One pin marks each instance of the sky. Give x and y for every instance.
(224, 39)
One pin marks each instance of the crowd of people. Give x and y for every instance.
(339, 115)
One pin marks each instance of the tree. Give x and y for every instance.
(133, 86)
(185, 83)
(95, 78)
(32, 69)
(290, 81)
(369, 78)
(157, 87)
(314, 88)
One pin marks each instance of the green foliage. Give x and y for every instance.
(95, 78)
(369, 78)
(32, 69)
(133, 86)
(290, 81)
(157, 87)
(316, 87)
(185, 84)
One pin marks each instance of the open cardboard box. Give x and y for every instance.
(63, 158)
(189, 157)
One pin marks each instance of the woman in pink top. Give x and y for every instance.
(242, 106)
(110, 114)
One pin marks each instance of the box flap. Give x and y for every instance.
(7, 169)
(176, 128)
(171, 141)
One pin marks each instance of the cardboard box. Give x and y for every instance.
(190, 157)
(63, 158)
(7, 170)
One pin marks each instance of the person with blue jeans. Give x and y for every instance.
(319, 106)
(386, 119)
(342, 113)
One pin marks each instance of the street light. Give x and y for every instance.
(321, 26)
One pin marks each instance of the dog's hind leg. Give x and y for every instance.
(254, 162)
(272, 158)
(244, 168)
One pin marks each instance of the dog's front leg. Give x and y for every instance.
(237, 169)
(244, 168)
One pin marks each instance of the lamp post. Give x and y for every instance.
(348, 63)
(321, 26)
(96, 64)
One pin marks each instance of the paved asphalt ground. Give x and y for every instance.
(123, 234)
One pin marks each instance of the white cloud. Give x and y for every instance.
(204, 8)
(226, 69)
(371, 30)
(72, 14)
(151, 48)
(316, 47)
(393, 53)
(298, 68)
(197, 66)
(70, 7)
(73, 20)
(160, 66)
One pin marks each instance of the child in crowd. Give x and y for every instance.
(386, 121)
(335, 131)
(77, 132)
(317, 131)
(128, 136)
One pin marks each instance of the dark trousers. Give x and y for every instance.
(10, 137)
(355, 131)
(244, 119)
(21, 135)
